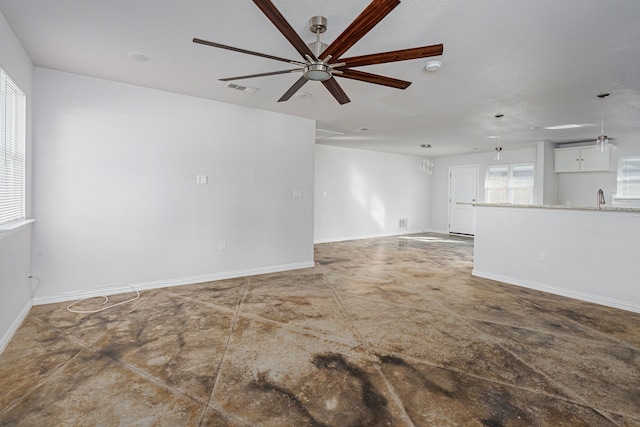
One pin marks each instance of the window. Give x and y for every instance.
(12, 150)
(628, 178)
(509, 184)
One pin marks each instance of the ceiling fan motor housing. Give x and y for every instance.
(318, 24)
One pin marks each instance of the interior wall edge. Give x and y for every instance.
(8, 335)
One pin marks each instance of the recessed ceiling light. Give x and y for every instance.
(567, 126)
(361, 130)
(493, 136)
(432, 66)
(139, 57)
(303, 95)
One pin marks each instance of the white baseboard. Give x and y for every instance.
(609, 302)
(142, 286)
(15, 325)
(368, 236)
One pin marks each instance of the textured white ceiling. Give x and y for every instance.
(540, 63)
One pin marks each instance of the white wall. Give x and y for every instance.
(547, 180)
(15, 254)
(367, 192)
(116, 199)
(581, 188)
(589, 255)
(440, 179)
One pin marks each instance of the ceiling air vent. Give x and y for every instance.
(247, 89)
(323, 133)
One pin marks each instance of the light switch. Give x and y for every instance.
(201, 179)
(324, 194)
(297, 193)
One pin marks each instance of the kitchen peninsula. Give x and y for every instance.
(581, 252)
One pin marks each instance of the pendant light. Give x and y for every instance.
(498, 149)
(426, 165)
(602, 142)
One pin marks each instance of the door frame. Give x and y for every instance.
(477, 168)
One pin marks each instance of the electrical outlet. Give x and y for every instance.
(223, 246)
(542, 256)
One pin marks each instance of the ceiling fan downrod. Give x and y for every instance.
(318, 69)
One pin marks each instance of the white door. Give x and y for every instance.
(463, 188)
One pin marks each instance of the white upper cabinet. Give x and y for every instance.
(583, 159)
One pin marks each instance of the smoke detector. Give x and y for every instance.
(432, 66)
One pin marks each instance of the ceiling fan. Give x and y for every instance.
(321, 62)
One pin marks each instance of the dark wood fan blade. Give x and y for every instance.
(374, 78)
(393, 56)
(293, 89)
(237, 49)
(281, 24)
(368, 19)
(335, 89)
(250, 76)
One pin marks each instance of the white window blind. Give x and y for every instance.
(509, 184)
(629, 177)
(12, 150)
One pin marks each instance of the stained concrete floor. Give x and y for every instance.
(382, 332)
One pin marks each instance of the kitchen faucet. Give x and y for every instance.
(600, 198)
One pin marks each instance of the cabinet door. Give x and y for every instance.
(567, 160)
(594, 160)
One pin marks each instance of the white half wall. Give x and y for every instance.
(366, 193)
(440, 179)
(585, 254)
(115, 193)
(15, 245)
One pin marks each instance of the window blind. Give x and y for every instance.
(12, 150)
(629, 177)
(509, 184)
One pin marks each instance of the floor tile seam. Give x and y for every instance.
(147, 376)
(219, 409)
(570, 398)
(42, 382)
(204, 303)
(558, 334)
(315, 288)
(393, 303)
(226, 346)
(364, 342)
(566, 389)
(63, 335)
(540, 371)
(554, 333)
(489, 339)
(89, 344)
(297, 329)
(395, 396)
(610, 412)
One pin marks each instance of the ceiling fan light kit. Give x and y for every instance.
(322, 62)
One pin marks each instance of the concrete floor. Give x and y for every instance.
(382, 332)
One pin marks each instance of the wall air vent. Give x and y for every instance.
(247, 89)
(403, 223)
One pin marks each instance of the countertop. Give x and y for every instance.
(572, 208)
